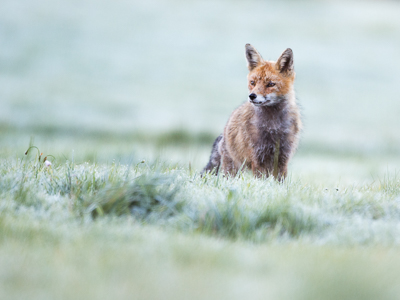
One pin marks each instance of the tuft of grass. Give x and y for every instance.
(390, 184)
(285, 217)
(234, 219)
(145, 195)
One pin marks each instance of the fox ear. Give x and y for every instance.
(285, 62)
(253, 57)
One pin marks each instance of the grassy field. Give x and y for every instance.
(83, 231)
(125, 98)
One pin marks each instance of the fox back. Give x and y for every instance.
(262, 134)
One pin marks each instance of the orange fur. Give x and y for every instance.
(264, 128)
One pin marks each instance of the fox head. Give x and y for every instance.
(269, 82)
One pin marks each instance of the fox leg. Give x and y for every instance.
(227, 164)
(257, 170)
(282, 172)
(279, 171)
(215, 157)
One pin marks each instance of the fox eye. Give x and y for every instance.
(252, 82)
(270, 84)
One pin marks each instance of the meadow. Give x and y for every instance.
(125, 99)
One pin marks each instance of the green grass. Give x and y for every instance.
(90, 231)
(240, 207)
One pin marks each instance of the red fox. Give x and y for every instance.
(262, 134)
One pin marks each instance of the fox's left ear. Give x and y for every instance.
(285, 62)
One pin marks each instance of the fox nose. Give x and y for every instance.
(252, 96)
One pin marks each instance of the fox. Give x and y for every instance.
(262, 134)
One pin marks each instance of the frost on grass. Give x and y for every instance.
(140, 197)
(241, 207)
(257, 216)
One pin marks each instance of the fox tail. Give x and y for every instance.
(215, 158)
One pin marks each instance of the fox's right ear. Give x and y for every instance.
(253, 57)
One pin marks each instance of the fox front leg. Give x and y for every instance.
(258, 171)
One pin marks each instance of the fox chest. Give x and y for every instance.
(258, 145)
(269, 142)
(257, 139)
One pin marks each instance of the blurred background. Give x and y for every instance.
(121, 80)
